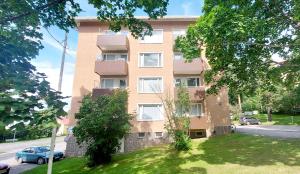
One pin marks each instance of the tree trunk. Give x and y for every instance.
(269, 110)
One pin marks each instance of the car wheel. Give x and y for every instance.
(40, 161)
(248, 123)
(20, 160)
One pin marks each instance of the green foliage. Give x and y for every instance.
(235, 111)
(102, 123)
(240, 38)
(252, 103)
(280, 99)
(178, 122)
(182, 141)
(22, 88)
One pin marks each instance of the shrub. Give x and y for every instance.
(102, 122)
(182, 141)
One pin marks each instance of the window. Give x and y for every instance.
(158, 134)
(188, 81)
(150, 112)
(141, 135)
(178, 56)
(107, 83)
(196, 109)
(178, 32)
(113, 83)
(198, 134)
(150, 60)
(150, 85)
(156, 37)
(114, 57)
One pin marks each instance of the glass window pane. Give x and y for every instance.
(150, 85)
(178, 56)
(193, 82)
(150, 112)
(107, 83)
(195, 110)
(178, 82)
(122, 83)
(156, 37)
(151, 60)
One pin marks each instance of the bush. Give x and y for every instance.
(102, 123)
(182, 141)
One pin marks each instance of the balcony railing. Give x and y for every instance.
(118, 67)
(107, 42)
(100, 91)
(182, 67)
(195, 93)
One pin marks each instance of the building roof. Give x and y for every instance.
(165, 18)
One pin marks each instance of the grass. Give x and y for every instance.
(280, 119)
(234, 154)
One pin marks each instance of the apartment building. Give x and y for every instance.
(147, 68)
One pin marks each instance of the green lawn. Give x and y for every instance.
(280, 119)
(232, 154)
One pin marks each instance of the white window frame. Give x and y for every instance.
(160, 41)
(185, 80)
(119, 54)
(178, 53)
(115, 80)
(139, 116)
(155, 135)
(178, 29)
(201, 110)
(141, 60)
(150, 77)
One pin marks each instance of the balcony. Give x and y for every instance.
(108, 42)
(195, 93)
(118, 67)
(187, 68)
(100, 91)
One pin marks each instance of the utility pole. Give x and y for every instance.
(50, 162)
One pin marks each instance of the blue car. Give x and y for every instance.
(39, 155)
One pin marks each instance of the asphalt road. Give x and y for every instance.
(8, 150)
(279, 131)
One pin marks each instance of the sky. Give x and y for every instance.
(49, 57)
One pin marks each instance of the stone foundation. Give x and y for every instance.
(134, 142)
(73, 149)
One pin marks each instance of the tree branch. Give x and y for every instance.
(39, 8)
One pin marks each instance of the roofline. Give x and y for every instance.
(146, 18)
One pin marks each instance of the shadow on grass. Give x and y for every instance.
(160, 160)
(250, 151)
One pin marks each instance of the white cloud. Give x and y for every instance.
(50, 41)
(186, 8)
(52, 73)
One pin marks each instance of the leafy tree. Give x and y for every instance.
(102, 123)
(178, 122)
(22, 89)
(239, 39)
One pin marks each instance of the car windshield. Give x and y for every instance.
(43, 149)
